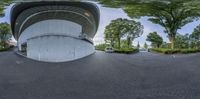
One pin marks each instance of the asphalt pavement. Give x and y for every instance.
(102, 76)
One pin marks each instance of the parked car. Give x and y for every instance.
(109, 50)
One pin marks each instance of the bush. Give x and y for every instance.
(185, 51)
(8, 47)
(175, 51)
(100, 47)
(126, 50)
(4, 49)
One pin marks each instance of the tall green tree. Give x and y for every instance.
(138, 45)
(170, 14)
(3, 4)
(195, 37)
(155, 39)
(113, 32)
(196, 33)
(132, 30)
(145, 45)
(182, 41)
(5, 33)
(122, 28)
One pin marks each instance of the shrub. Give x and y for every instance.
(175, 51)
(126, 50)
(185, 51)
(4, 49)
(100, 47)
(8, 47)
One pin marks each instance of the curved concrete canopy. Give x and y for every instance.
(25, 14)
(55, 31)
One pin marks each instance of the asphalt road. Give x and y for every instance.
(102, 76)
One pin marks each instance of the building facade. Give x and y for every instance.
(55, 31)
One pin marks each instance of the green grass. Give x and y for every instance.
(175, 51)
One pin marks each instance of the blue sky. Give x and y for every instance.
(108, 14)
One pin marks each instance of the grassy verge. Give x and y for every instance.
(174, 51)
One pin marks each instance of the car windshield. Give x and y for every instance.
(99, 49)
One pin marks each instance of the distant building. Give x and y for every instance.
(55, 31)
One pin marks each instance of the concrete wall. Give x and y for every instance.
(58, 48)
(55, 41)
(50, 27)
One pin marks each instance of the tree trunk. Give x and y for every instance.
(129, 42)
(119, 43)
(4, 44)
(158, 46)
(112, 44)
(172, 40)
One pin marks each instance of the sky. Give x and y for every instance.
(109, 14)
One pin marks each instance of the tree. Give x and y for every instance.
(124, 44)
(195, 37)
(182, 41)
(196, 33)
(5, 33)
(119, 28)
(165, 45)
(133, 30)
(138, 45)
(155, 39)
(145, 45)
(113, 31)
(170, 14)
(4, 3)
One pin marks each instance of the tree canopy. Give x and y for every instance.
(170, 14)
(145, 45)
(182, 41)
(5, 33)
(122, 28)
(196, 33)
(195, 37)
(155, 39)
(3, 3)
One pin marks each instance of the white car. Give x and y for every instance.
(109, 50)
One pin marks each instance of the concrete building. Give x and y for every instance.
(55, 31)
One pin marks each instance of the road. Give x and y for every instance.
(102, 76)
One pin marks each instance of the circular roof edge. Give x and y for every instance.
(22, 6)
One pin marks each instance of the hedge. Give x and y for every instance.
(6, 48)
(126, 51)
(100, 47)
(185, 51)
(174, 51)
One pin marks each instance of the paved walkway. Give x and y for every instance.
(102, 76)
